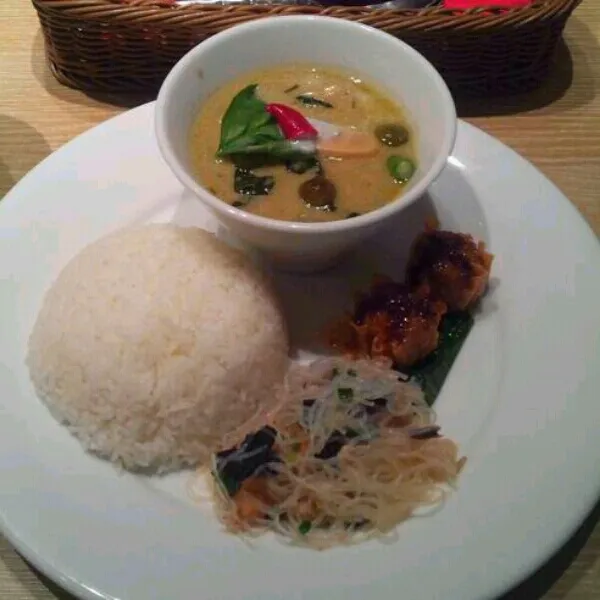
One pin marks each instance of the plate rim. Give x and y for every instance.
(79, 588)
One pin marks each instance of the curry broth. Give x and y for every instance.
(363, 184)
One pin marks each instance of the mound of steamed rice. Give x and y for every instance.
(154, 343)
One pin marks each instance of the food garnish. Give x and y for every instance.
(293, 125)
(310, 100)
(247, 127)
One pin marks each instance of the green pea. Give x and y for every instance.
(392, 134)
(400, 168)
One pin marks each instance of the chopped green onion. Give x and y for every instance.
(345, 394)
(304, 527)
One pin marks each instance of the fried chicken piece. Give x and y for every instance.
(451, 267)
(391, 321)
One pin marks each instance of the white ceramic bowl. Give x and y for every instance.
(379, 57)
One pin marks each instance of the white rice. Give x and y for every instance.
(156, 342)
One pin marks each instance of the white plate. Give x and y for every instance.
(522, 398)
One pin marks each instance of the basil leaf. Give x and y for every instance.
(247, 183)
(262, 142)
(431, 373)
(279, 149)
(247, 124)
(253, 161)
(248, 129)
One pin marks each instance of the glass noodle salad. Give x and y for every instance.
(349, 451)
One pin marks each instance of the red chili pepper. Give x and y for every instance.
(293, 125)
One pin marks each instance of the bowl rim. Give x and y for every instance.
(275, 225)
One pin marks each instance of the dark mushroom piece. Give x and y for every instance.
(319, 193)
(335, 442)
(253, 456)
(392, 134)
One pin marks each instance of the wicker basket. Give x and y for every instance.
(128, 47)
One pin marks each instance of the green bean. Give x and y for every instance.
(400, 168)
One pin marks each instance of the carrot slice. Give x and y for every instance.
(251, 499)
(248, 507)
(348, 144)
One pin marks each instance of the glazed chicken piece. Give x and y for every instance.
(391, 321)
(451, 267)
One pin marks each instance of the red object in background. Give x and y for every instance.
(293, 125)
(466, 4)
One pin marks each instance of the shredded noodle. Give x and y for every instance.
(392, 463)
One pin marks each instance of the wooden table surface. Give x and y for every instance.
(557, 128)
